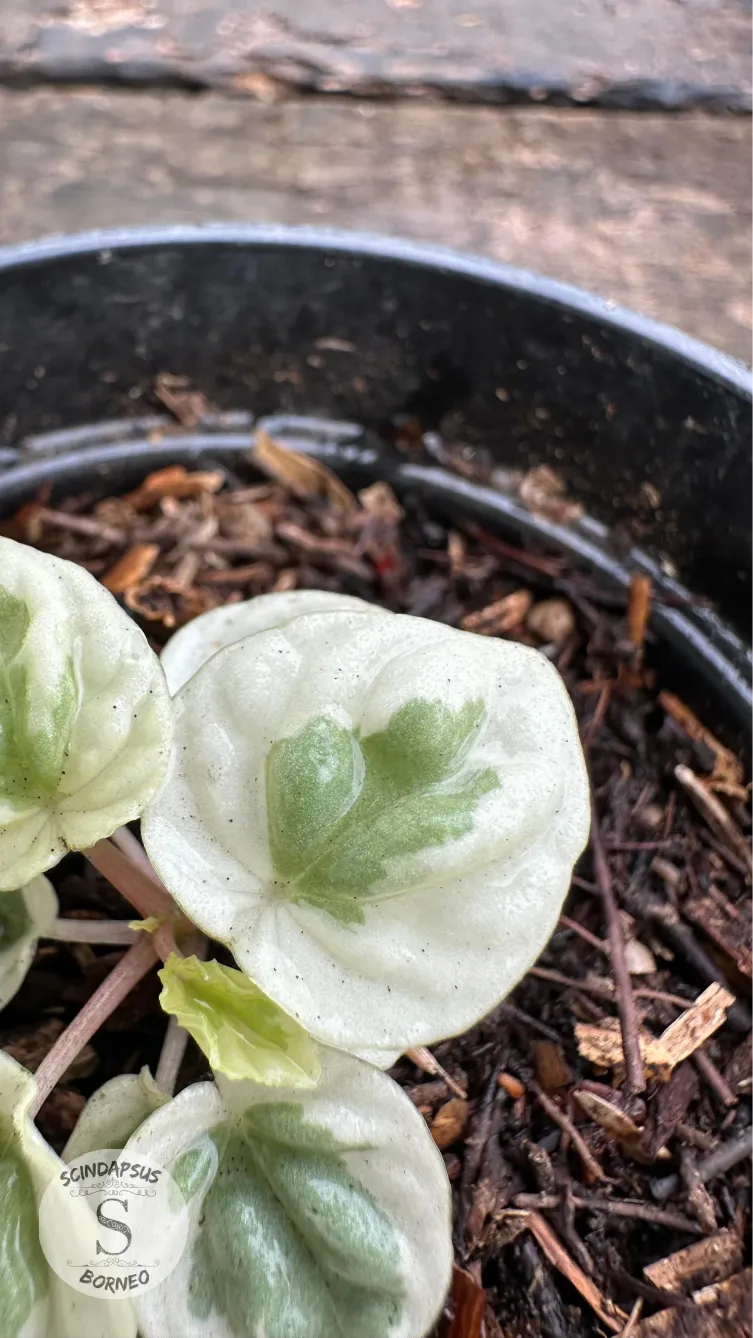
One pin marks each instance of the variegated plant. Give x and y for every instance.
(34, 1302)
(316, 1212)
(378, 816)
(84, 713)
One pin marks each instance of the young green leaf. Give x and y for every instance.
(192, 645)
(242, 1033)
(316, 1213)
(114, 1112)
(34, 1302)
(379, 815)
(85, 716)
(24, 917)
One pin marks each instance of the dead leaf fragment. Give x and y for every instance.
(130, 569)
(303, 475)
(609, 1116)
(174, 481)
(449, 1122)
(501, 616)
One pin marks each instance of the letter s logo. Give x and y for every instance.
(114, 1225)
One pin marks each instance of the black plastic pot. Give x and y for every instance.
(649, 429)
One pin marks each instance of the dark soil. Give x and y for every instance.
(540, 1219)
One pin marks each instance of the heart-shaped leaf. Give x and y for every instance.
(378, 815)
(85, 716)
(317, 1213)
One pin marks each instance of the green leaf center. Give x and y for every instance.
(290, 1244)
(34, 725)
(341, 808)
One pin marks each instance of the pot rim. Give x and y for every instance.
(730, 372)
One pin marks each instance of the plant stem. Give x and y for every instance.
(142, 889)
(132, 848)
(171, 1056)
(113, 933)
(131, 968)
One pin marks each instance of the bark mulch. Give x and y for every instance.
(595, 1127)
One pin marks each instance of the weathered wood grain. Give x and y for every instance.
(649, 210)
(617, 53)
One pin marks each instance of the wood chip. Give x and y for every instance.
(713, 812)
(132, 568)
(639, 607)
(174, 481)
(711, 1260)
(602, 1044)
(449, 1122)
(694, 1026)
(728, 773)
(557, 1255)
(544, 492)
(468, 1302)
(721, 1312)
(512, 1085)
(552, 1069)
(303, 475)
(501, 616)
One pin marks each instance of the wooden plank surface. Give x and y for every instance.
(618, 53)
(649, 210)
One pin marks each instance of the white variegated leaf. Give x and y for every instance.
(315, 1212)
(379, 815)
(114, 1112)
(85, 715)
(25, 916)
(34, 1302)
(192, 645)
